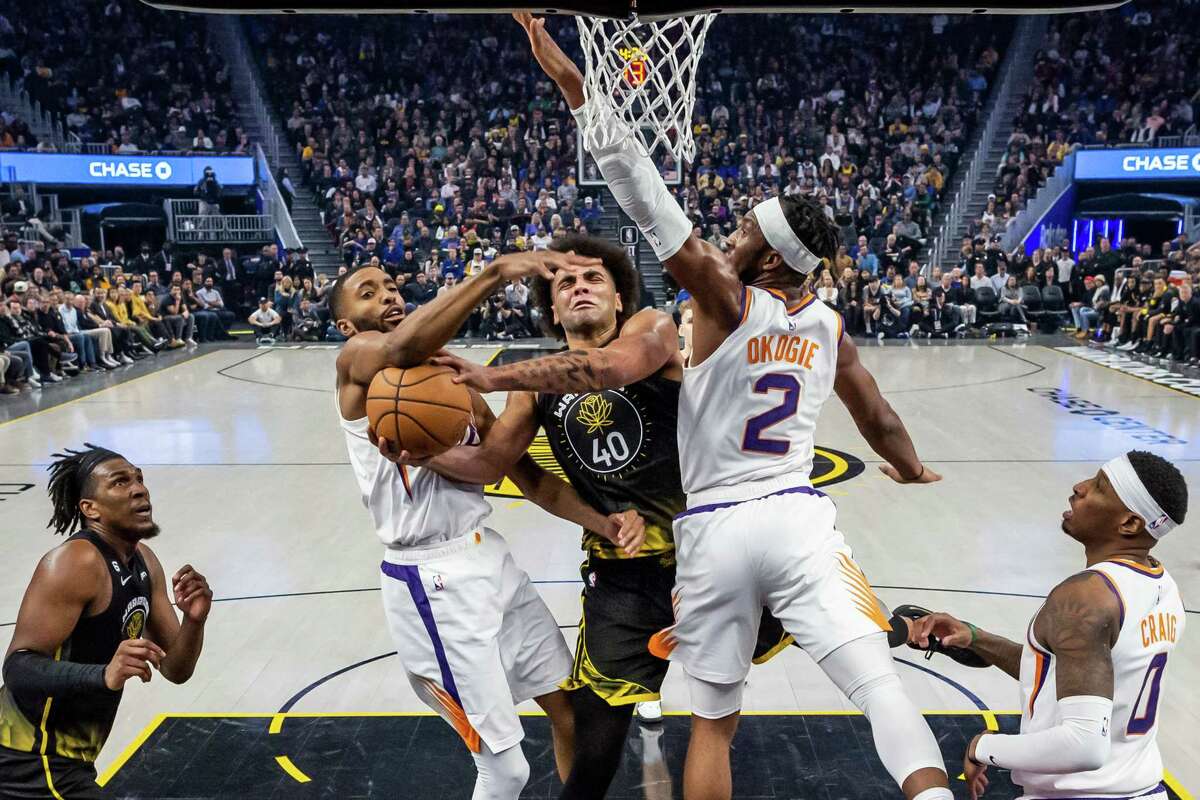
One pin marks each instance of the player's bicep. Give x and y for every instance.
(708, 276)
(647, 343)
(163, 626)
(57, 596)
(1079, 625)
(854, 384)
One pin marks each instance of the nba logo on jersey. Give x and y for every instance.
(438, 583)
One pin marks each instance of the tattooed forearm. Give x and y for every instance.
(574, 371)
(999, 652)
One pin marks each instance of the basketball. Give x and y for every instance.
(419, 408)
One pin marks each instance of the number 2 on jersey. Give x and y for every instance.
(753, 440)
(1141, 723)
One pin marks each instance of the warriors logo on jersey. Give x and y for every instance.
(604, 431)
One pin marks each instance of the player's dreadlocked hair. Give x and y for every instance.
(70, 482)
(1163, 481)
(808, 221)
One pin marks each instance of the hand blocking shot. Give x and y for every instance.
(96, 614)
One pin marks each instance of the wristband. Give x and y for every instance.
(974, 634)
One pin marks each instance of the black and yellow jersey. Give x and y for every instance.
(618, 448)
(77, 727)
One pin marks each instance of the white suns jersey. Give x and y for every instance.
(410, 506)
(749, 411)
(1152, 620)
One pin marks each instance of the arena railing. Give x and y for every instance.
(1025, 36)
(281, 218)
(226, 29)
(1059, 182)
(186, 225)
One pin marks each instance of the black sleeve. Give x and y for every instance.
(26, 671)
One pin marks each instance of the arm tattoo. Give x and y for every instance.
(573, 371)
(1079, 624)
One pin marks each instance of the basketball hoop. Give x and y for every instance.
(646, 72)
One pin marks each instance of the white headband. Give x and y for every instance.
(782, 238)
(1133, 494)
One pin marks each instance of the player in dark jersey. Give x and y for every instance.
(96, 614)
(609, 409)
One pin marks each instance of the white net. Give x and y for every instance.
(647, 72)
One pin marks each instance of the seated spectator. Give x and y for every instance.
(940, 319)
(72, 309)
(873, 300)
(1012, 308)
(144, 309)
(45, 315)
(208, 324)
(1185, 327)
(175, 312)
(306, 323)
(265, 322)
(210, 299)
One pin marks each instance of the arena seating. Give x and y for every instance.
(123, 73)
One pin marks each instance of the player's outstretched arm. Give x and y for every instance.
(1005, 654)
(434, 324)
(626, 529)
(503, 441)
(191, 595)
(638, 186)
(876, 420)
(64, 584)
(648, 342)
(1079, 625)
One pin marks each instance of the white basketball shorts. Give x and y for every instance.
(473, 635)
(780, 551)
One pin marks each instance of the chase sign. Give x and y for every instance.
(66, 169)
(1152, 164)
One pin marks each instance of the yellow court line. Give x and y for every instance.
(276, 724)
(1173, 782)
(291, 769)
(132, 748)
(121, 385)
(493, 356)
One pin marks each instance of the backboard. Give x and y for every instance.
(645, 9)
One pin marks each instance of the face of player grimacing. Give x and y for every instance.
(585, 299)
(120, 501)
(372, 303)
(1096, 512)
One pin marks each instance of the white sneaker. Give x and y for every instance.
(649, 711)
(109, 362)
(51, 378)
(126, 359)
(268, 340)
(192, 342)
(1130, 345)
(34, 383)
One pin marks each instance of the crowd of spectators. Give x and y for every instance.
(420, 155)
(123, 73)
(1101, 79)
(1128, 296)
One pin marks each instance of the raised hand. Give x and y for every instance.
(192, 594)
(539, 263)
(554, 62)
(132, 660)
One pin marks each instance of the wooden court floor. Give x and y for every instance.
(298, 685)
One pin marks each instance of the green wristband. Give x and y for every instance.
(974, 634)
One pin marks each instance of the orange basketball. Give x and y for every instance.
(419, 408)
